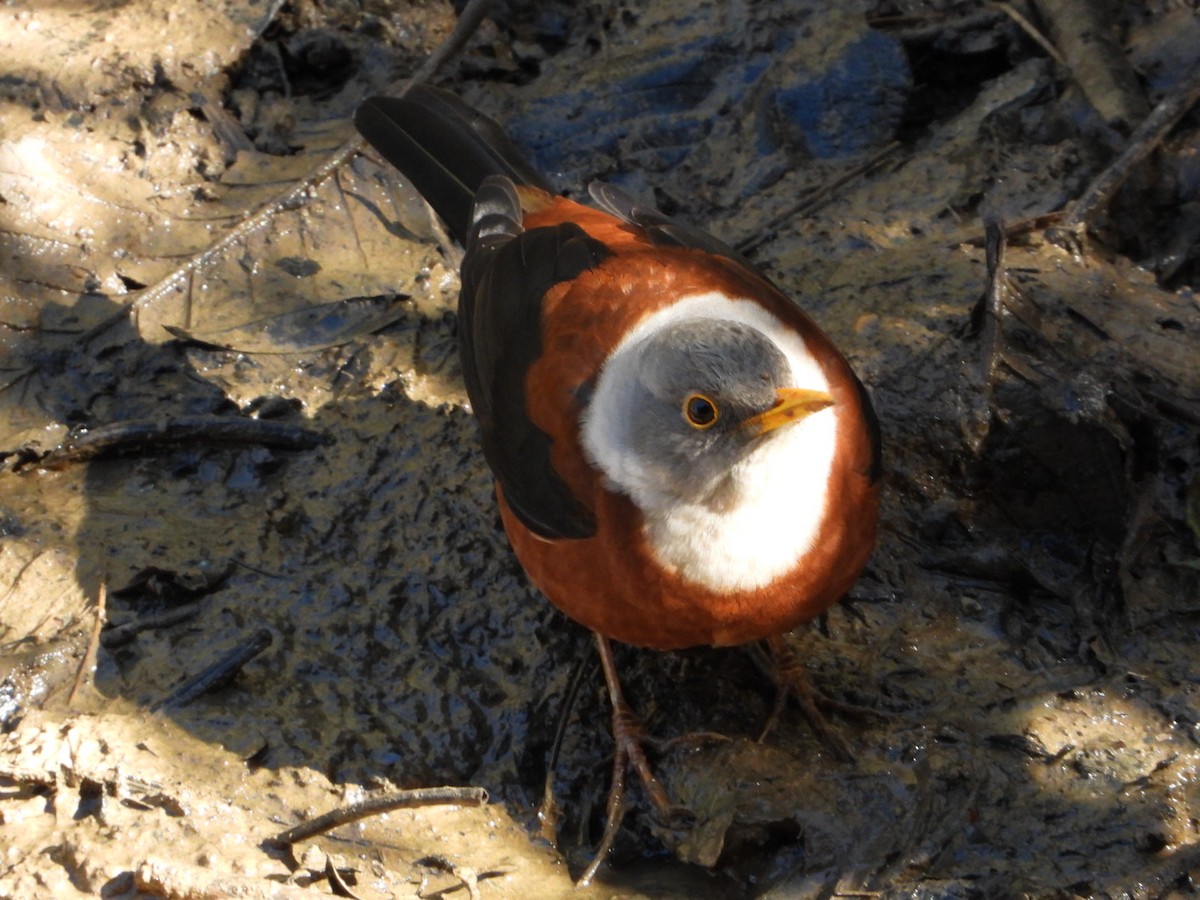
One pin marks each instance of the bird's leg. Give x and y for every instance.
(627, 733)
(791, 679)
(627, 738)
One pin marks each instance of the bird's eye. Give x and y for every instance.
(699, 411)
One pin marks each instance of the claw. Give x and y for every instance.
(627, 736)
(791, 679)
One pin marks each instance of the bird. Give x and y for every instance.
(682, 457)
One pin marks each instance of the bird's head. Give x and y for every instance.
(679, 411)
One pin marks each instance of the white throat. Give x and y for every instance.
(777, 494)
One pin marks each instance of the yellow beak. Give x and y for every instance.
(791, 405)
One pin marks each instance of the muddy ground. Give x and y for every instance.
(231, 422)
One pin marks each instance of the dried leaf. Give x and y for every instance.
(304, 330)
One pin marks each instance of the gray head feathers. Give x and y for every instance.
(690, 419)
(667, 422)
(693, 385)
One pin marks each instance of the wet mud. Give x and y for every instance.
(251, 567)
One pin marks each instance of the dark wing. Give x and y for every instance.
(464, 165)
(874, 435)
(505, 274)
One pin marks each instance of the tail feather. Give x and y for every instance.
(444, 147)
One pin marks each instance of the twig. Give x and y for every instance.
(336, 882)
(985, 324)
(1018, 228)
(1095, 59)
(1148, 135)
(218, 673)
(1030, 29)
(88, 663)
(16, 582)
(149, 435)
(458, 796)
(993, 303)
(121, 635)
(920, 29)
(468, 22)
(811, 200)
(547, 814)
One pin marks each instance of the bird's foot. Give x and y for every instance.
(628, 737)
(628, 755)
(791, 679)
(690, 741)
